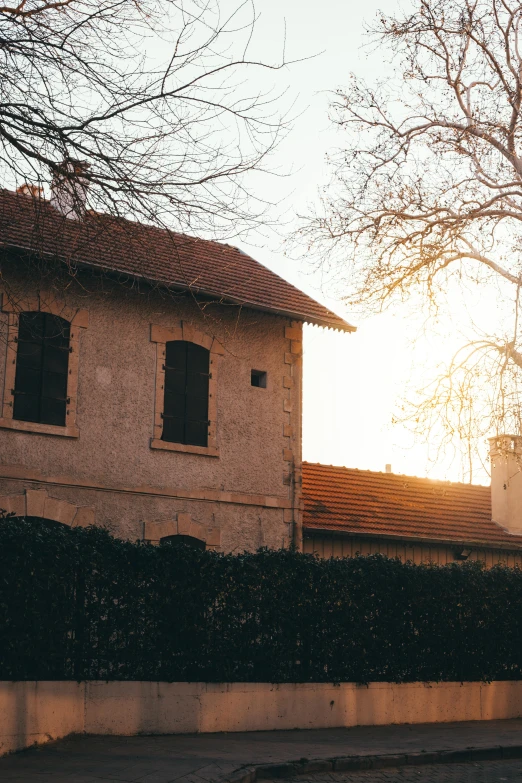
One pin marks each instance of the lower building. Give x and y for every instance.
(349, 512)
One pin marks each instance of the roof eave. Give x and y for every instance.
(343, 326)
(307, 319)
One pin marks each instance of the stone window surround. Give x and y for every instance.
(185, 331)
(78, 319)
(183, 525)
(37, 503)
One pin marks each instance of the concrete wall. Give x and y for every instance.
(34, 712)
(326, 545)
(246, 492)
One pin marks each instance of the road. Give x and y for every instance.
(485, 772)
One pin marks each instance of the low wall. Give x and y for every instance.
(35, 712)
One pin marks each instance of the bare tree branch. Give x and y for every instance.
(153, 95)
(428, 191)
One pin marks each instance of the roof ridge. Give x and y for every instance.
(387, 476)
(132, 222)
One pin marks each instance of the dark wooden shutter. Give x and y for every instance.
(42, 365)
(185, 409)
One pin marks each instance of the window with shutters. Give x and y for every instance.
(185, 406)
(42, 365)
(40, 391)
(186, 390)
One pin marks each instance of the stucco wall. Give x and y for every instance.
(325, 545)
(35, 712)
(111, 466)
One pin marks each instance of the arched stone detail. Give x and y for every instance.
(183, 525)
(188, 332)
(46, 303)
(37, 503)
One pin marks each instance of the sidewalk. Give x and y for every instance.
(245, 757)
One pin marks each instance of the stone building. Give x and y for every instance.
(151, 382)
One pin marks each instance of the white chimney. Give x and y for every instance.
(69, 189)
(387, 468)
(506, 482)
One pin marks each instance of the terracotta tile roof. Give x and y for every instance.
(157, 255)
(387, 505)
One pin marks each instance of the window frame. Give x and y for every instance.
(161, 336)
(78, 320)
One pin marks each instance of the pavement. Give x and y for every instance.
(322, 754)
(484, 772)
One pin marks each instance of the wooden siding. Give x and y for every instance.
(327, 546)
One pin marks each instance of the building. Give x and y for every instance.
(349, 511)
(151, 382)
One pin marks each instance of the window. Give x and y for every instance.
(258, 378)
(176, 540)
(186, 389)
(42, 365)
(43, 351)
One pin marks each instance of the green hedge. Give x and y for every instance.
(79, 604)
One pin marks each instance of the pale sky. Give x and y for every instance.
(352, 383)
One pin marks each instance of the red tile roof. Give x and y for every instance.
(157, 255)
(387, 505)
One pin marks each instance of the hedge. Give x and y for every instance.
(79, 604)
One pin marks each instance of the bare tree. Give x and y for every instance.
(147, 103)
(426, 197)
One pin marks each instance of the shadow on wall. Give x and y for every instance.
(131, 708)
(36, 712)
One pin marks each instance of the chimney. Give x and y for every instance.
(69, 188)
(506, 482)
(387, 468)
(35, 191)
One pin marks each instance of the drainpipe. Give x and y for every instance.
(297, 472)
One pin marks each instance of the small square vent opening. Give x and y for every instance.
(258, 378)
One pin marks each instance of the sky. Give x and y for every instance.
(353, 383)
